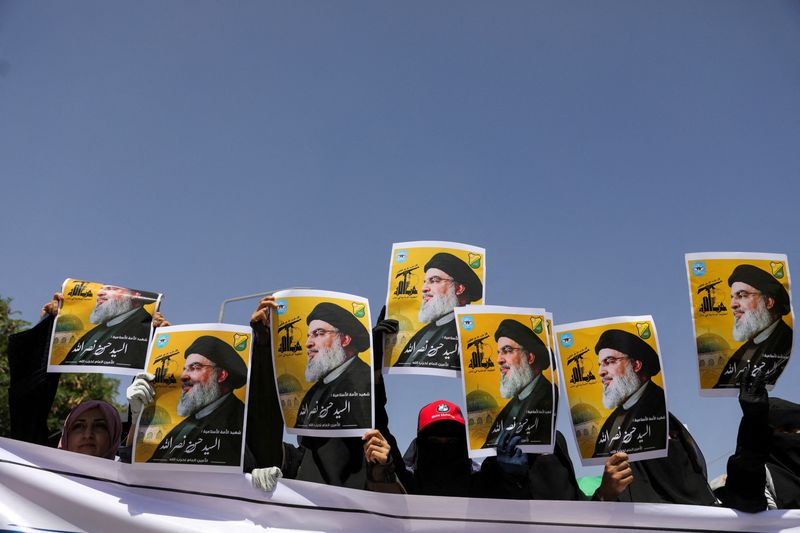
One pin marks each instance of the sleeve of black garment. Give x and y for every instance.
(31, 389)
(747, 477)
(264, 423)
(381, 416)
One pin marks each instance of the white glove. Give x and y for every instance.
(140, 393)
(266, 478)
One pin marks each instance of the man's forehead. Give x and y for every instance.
(198, 358)
(319, 324)
(742, 286)
(610, 352)
(505, 341)
(436, 272)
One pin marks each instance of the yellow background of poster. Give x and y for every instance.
(168, 393)
(403, 306)
(551, 339)
(290, 365)
(586, 398)
(73, 317)
(714, 328)
(482, 385)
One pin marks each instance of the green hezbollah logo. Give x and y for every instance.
(536, 322)
(474, 260)
(240, 341)
(643, 328)
(777, 269)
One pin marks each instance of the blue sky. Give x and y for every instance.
(211, 149)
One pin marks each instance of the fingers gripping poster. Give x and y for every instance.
(507, 377)
(322, 355)
(102, 328)
(427, 281)
(201, 381)
(613, 379)
(742, 317)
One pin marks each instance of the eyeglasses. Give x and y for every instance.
(508, 350)
(435, 280)
(610, 360)
(743, 295)
(194, 367)
(317, 333)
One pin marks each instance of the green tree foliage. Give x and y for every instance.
(72, 389)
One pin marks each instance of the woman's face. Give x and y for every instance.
(89, 434)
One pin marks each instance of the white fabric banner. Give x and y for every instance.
(43, 489)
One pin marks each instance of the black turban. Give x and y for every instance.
(223, 355)
(344, 321)
(525, 337)
(460, 271)
(763, 281)
(632, 346)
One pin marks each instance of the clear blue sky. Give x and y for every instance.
(212, 149)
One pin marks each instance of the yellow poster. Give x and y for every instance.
(507, 377)
(102, 328)
(427, 280)
(198, 419)
(613, 379)
(322, 355)
(742, 317)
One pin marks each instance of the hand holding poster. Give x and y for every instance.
(742, 317)
(102, 328)
(515, 394)
(198, 418)
(615, 387)
(322, 356)
(427, 280)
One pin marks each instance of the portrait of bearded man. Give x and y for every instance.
(341, 394)
(758, 302)
(522, 356)
(638, 423)
(122, 330)
(449, 283)
(214, 420)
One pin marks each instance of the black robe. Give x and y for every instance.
(350, 391)
(773, 352)
(650, 410)
(432, 347)
(221, 428)
(133, 331)
(538, 429)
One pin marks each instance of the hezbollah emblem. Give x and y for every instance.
(474, 260)
(777, 269)
(537, 322)
(359, 309)
(643, 328)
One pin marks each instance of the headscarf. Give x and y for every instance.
(784, 453)
(112, 420)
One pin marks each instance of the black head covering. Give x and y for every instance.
(460, 271)
(344, 321)
(764, 282)
(223, 355)
(525, 337)
(632, 346)
(784, 452)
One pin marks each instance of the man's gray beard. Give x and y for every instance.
(752, 322)
(326, 360)
(199, 396)
(438, 306)
(110, 309)
(621, 388)
(516, 379)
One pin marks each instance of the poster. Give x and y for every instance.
(614, 383)
(102, 328)
(507, 377)
(322, 356)
(427, 280)
(741, 312)
(199, 415)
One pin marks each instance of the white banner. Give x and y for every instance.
(43, 489)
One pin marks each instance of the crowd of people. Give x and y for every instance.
(763, 473)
